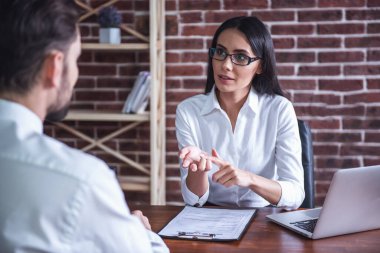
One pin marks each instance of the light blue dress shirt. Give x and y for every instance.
(57, 199)
(266, 142)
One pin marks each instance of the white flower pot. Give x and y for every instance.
(109, 35)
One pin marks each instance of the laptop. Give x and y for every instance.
(352, 205)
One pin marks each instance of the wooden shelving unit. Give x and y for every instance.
(154, 181)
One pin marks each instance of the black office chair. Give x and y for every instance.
(307, 163)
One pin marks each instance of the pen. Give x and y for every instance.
(195, 235)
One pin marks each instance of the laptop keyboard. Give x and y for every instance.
(307, 225)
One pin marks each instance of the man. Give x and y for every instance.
(53, 198)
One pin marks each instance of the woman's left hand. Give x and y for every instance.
(229, 175)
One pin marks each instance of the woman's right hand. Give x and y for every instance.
(195, 159)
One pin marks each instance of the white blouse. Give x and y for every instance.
(266, 142)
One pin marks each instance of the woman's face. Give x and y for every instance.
(228, 76)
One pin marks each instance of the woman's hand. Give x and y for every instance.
(229, 175)
(195, 159)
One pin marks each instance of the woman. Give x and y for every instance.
(245, 122)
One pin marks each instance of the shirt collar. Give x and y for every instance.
(212, 102)
(21, 115)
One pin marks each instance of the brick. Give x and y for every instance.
(141, 5)
(340, 28)
(96, 70)
(327, 123)
(199, 30)
(319, 70)
(191, 17)
(184, 70)
(317, 42)
(171, 25)
(310, 110)
(85, 82)
(341, 3)
(184, 43)
(373, 28)
(362, 70)
(370, 41)
(85, 57)
(313, 98)
(356, 150)
(93, 95)
(173, 83)
(82, 106)
(361, 124)
(372, 137)
(371, 161)
(373, 3)
(368, 14)
(373, 83)
(297, 84)
(178, 97)
(325, 149)
(285, 70)
(170, 110)
(245, 4)
(132, 70)
(323, 175)
(357, 110)
(194, 57)
(115, 82)
(341, 56)
(187, 5)
(274, 16)
(172, 57)
(295, 57)
(114, 57)
(195, 84)
(340, 85)
(216, 16)
(292, 29)
(365, 97)
(170, 5)
(333, 162)
(324, 15)
(293, 4)
(373, 111)
(283, 43)
(337, 137)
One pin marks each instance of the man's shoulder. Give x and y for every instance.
(68, 160)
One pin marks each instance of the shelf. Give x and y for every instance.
(105, 116)
(115, 47)
(154, 179)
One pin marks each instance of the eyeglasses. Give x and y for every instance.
(220, 54)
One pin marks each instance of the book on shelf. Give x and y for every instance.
(138, 98)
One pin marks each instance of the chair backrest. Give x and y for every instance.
(307, 163)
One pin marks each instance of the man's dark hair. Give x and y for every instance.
(262, 45)
(29, 30)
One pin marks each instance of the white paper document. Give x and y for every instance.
(208, 224)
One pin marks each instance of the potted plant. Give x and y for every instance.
(109, 22)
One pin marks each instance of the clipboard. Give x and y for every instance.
(211, 224)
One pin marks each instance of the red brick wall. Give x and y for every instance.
(328, 55)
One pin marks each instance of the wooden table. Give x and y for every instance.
(263, 236)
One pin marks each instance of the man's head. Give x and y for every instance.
(39, 47)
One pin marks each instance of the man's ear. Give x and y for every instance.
(52, 69)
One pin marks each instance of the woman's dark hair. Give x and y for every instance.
(29, 30)
(262, 45)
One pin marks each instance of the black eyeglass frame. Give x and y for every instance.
(212, 50)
